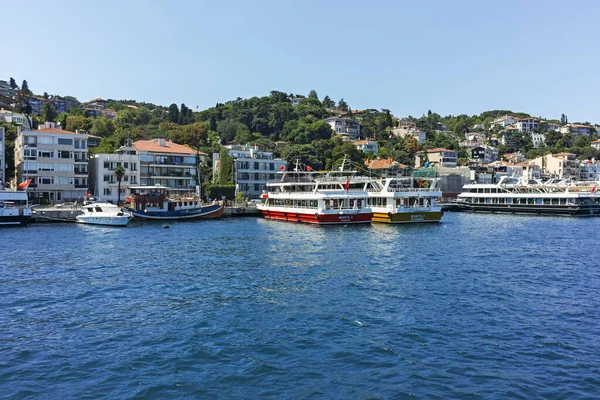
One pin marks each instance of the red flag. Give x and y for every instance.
(24, 185)
(347, 185)
(594, 189)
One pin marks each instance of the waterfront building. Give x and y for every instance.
(387, 168)
(169, 164)
(367, 145)
(15, 118)
(442, 157)
(589, 170)
(55, 160)
(103, 181)
(348, 128)
(560, 165)
(252, 168)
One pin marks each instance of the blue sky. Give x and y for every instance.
(453, 57)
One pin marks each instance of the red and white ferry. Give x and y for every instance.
(309, 197)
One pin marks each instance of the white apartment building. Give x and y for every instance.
(348, 128)
(527, 124)
(578, 129)
(103, 181)
(551, 126)
(55, 160)
(503, 122)
(252, 168)
(367, 145)
(15, 119)
(169, 164)
(408, 130)
(538, 139)
(561, 165)
(438, 156)
(596, 144)
(589, 171)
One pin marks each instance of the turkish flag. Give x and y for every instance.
(347, 185)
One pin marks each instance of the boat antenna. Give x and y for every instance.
(343, 163)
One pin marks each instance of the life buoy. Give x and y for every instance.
(317, 215)
(389, 214)
(238, 210)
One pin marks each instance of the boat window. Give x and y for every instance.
(98, 209)
(563, 201)
(90, 209)
(546, 201)
(509, 201)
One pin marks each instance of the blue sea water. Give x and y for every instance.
(479, 306)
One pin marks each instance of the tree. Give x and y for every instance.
(173, 113)
(563, 119)
(48, 113)
(119, 172)
(313, 95)
(13, 84)
(342, 105)
(327, 102)
(25, 88)
(45, 95)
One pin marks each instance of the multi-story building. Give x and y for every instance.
(551, 126)
(442, 157)
(503, 122)
(561, 165)
(538, 139)
(348, 128)
(15, 119)
(55, 160)
(596, 144)
(367, 145)
(527, 125)
(387, 168)
(409, 130)
(103, 181)
(578, 129)
(252, 168)
(589, 170)
(37, 104)
(165, 163)
(484, 154)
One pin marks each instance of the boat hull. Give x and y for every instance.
(318, 219)
(17, 220)
(106, 221)
(206, 212)
(538, 209)
(407, 217)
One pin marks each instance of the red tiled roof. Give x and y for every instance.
(169, 147)
(383, 163)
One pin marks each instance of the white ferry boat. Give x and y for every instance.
(519, 196)
(14, 208)
(305, 196)
(404, 200)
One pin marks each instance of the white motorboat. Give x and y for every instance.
(103, 213)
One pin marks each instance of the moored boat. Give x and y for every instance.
(304, 196)
(14, 208)
(525, 196)
(404, 200)
(156, 203)
(103, 213)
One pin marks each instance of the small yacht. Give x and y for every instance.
(14, 208)
(103, 213)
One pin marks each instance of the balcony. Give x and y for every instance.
(80, 186)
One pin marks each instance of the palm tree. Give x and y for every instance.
(119, 172)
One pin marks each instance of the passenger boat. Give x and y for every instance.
(156, 203)
(14, 208)
(103, 213)
(307, 197)
(404, 200)
(527, 196)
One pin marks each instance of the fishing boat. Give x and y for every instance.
(157, 203)
(14, 208)
(531, 196)
(404, 200)
(103, 213)
(323, 199)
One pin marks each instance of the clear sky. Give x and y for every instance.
(452, 57)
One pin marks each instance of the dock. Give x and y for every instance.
(55, 215)
(241, 210)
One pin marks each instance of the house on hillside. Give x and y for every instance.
(367, 145)
(387, 168)
(348, 128)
